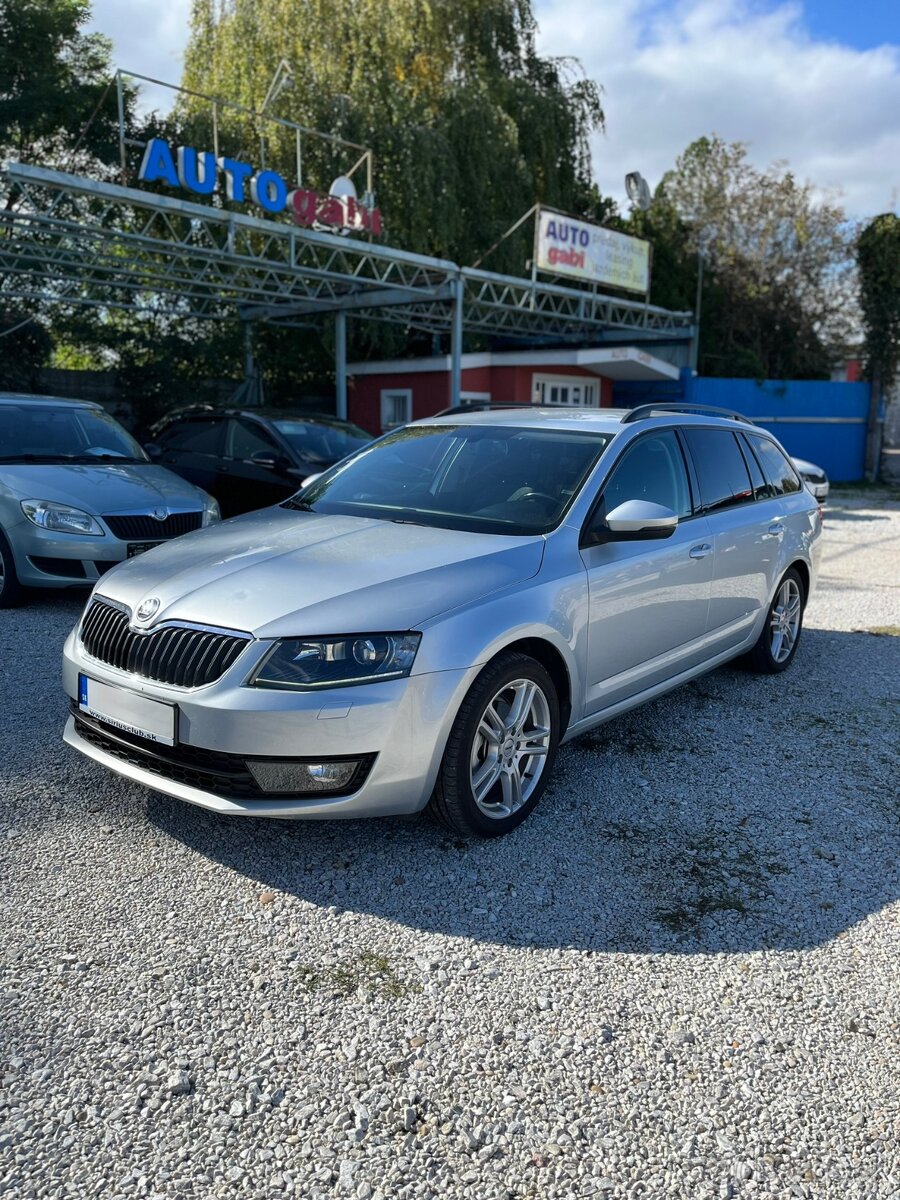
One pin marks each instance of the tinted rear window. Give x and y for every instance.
(776, 467)
(721, 470)
(197, 437)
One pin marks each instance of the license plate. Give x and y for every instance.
(139, 715)
(135, 548)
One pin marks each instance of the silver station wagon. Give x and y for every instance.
(426, 622)
(78, 495)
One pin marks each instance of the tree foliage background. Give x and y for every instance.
(468, 123)
(469, 126)
(878, 253)
(779, 291)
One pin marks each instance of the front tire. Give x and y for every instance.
(777, 644)
(501, 749)
(10, 589)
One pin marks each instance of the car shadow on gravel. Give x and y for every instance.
(739, 813)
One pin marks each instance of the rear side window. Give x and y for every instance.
(764, 490)
(721, 470)
(248, 438)
(776, 468)
(194, 437)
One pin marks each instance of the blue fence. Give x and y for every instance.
(821, 421)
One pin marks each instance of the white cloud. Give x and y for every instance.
(149, 37)
(671, 72)
(674, 73)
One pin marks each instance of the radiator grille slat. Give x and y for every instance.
(178, 655)
(147, 528)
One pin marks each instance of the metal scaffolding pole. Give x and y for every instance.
(340, 363)
(456, 335)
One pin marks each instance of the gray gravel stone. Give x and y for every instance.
(677, 991)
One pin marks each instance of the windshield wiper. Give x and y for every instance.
(301, 505)
(38, 458)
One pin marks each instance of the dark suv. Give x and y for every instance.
(250, 458)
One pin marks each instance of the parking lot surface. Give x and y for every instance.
(678, 979)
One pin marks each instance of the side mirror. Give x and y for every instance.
(270, 459)
(153, 452)
(636, 520)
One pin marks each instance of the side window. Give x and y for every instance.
(761, 486)
(246, 438)
(651, 469)
(721, 470)
(776, 468)
(192, 437)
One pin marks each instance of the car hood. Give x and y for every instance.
(802, 465)
(104, 488)
(280, 572)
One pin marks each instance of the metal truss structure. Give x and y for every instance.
(71, 240)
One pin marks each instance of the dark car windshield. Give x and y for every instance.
(34, 432)
(322, 441)
(489, 479)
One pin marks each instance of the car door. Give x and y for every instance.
(193, 448)
(745, 550)
(250, 485)
(648, 599)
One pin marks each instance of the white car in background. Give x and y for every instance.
(814, 478)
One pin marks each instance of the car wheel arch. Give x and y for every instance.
(553, 662)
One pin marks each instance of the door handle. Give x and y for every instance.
(700, 551)
(776, 530)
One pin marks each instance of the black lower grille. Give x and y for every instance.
(141, 526)
(224, 775)
(65, 568)
(175, 654)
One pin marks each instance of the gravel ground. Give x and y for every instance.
(678, 979)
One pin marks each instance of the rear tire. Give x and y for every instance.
(777, 644)
(501, 749)
(11, 591)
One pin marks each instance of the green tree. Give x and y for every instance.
(778, 292)
(878, 255)
(57, 109)
(54, 79)
(468, 124)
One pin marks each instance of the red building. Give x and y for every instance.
(383, 394)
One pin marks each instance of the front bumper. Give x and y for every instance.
(400, 726)
(45, 559)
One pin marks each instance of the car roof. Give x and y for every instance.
(599, 420)
(267, 414)
(16, 398)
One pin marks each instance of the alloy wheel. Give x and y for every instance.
(784, 623)
(510, 748)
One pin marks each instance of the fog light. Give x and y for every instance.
(274, 775)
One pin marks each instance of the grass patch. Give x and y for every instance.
(885, 630)
(368, 969)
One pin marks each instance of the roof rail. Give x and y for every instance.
(642, 411)
(484, 406)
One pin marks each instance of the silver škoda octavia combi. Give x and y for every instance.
(426, 622)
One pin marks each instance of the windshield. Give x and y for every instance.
(489, 479)
(322, 442)
(50, 433)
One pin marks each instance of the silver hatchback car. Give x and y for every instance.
(429, 620)
(78, 495)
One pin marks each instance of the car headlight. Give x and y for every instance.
(60, 518)
(211, 511)
(303, 663)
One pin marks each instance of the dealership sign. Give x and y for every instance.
(566, 246)
(203, 174)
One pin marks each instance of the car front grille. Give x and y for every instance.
(141, 526)
(224, 775)
(177, 654)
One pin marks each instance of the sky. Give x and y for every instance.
(812, 82)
